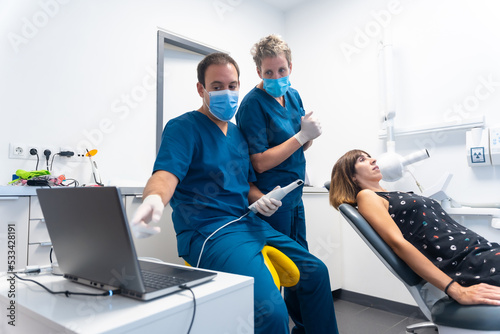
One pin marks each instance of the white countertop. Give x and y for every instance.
(85, 314)
(310, 189)
(31, 191)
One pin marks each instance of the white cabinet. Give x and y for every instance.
(31, 237)
(13, 232)
(161, 246)
(323, 232)
(39, 243)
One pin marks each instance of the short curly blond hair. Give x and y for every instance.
(270, 46)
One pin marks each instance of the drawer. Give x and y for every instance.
(38, 231)
(39, 255)
(35, 209)
(14, 213)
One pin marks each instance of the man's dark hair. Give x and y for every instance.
(217, 58)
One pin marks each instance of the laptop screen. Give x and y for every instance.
(90, 235)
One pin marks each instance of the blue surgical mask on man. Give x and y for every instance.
(223, 104)
(277, 87)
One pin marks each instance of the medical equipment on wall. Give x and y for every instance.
(495, 145)
(392, 165)
(483, 146)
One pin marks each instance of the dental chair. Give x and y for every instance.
(443, 313)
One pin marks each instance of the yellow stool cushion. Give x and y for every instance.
(284, 271)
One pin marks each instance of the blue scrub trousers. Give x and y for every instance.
(239, 252)
(293, 224)
(290, 222)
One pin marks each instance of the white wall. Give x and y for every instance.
(443, 51)
(82, 73)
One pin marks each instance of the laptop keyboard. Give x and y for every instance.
(159, 281)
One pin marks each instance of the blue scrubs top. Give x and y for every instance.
(265, 124)
(213, 171)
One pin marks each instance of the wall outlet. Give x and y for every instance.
(41, 153)
(17, 151)
(78, 156)
(33, 156)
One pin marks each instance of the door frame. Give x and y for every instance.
(164, 37)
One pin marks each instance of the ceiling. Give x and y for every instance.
(284, 5)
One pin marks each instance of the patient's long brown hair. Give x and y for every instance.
(342, 187)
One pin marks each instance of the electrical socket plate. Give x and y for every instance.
(22, 151)
(78, 157)
(18, 151)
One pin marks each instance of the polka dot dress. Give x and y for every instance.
(456, 250)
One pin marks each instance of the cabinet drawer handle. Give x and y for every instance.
(10, 198)
(45, 244)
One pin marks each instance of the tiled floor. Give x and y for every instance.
(358, 319)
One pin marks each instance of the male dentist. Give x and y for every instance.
(203, 169)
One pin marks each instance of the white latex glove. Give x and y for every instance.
(267, 206)
(310, 129)
(150, 210)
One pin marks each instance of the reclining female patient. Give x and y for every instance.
(446, 254)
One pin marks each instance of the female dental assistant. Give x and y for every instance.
(273, 120)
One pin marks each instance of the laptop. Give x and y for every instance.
(91, 237)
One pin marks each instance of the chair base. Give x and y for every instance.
(412, 329)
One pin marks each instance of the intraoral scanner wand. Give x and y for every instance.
(279, 193)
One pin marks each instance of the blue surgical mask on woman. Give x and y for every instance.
(277, 87)
(223, 104)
